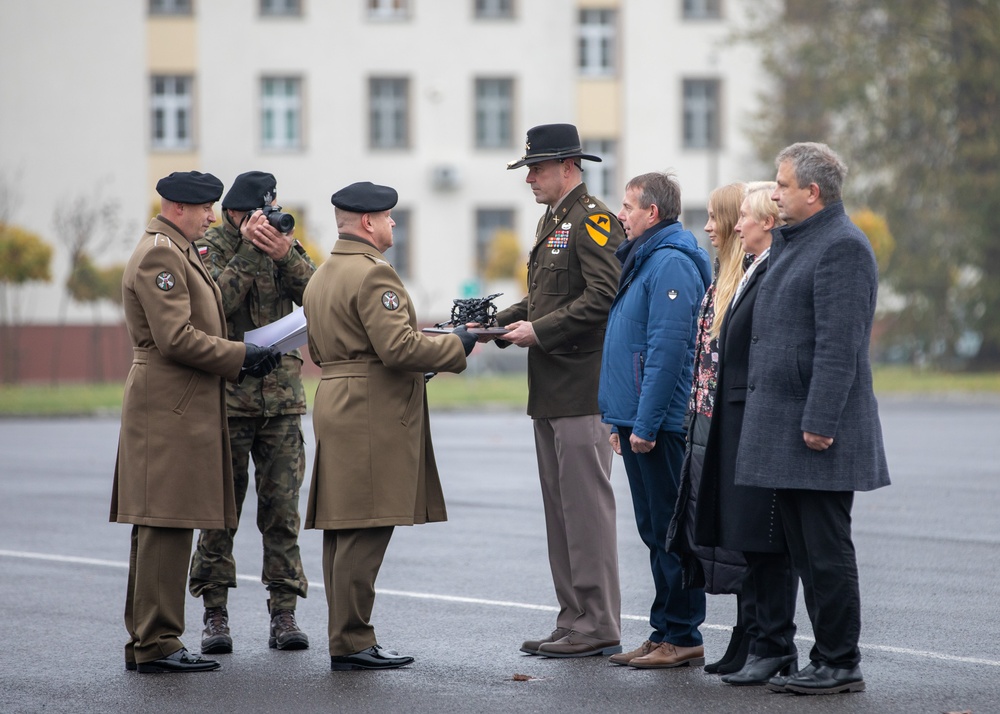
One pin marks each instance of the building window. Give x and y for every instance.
(399, 254)
(389, 113)
(701, 113)
(489, 222)
(281, 113)
(388, 9)
(281, 8)
(602, 178)
(597, 42)
(494, 113)
(172, 106)
(702, 9)
(494, 9)
(170, 7)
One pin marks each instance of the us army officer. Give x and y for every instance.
(374, 467)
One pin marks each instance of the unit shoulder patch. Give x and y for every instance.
(165, 281)
(598, 227)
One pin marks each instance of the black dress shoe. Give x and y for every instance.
(130, 666)
(179, 661)
(759, 670)
(779, 682)
(375, 657)
(827, 680)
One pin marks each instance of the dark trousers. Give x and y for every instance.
(818, 531)
(654, 478)
(768, 596)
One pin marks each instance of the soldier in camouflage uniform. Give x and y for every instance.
(261, 274)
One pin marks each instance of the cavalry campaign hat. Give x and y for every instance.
(191, 187)
(365, 197)
(254, 189)
(551, 141)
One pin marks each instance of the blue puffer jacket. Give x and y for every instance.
(649, 343)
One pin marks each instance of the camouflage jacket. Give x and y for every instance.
(256, 291)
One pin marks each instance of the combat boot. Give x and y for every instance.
(215, 638)
(285, 633)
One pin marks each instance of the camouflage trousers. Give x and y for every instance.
(278, 452)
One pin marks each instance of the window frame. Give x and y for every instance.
(388, 10)
(391, 110)
(171, 8)
(493, 9)
(486, 233)
(164, 113)
(701, 115)
(702, 9)
(609, 184)
(493, 120)
(280, 105)
(280, 8)
(401, 253)
(597, 42)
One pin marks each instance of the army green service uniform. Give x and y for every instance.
(572, 280)
(264, 420)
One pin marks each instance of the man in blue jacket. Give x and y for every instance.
(645, 383)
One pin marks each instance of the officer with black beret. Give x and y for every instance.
(374, 467)
(174, 471)
(261, 273)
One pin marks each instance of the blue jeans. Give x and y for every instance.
(653, 479)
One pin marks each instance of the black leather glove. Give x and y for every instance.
(259, 361)
(468, 339)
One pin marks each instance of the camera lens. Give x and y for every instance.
(283, 222)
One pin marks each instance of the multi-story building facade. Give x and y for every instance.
(433, 97)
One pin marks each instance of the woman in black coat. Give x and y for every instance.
(740, 517)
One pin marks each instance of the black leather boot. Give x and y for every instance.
(735, 656)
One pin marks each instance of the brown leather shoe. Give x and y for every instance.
(623, 658)
(531, 646)
(576, 644)
(666, 655)
(215, 639)
(285, 632)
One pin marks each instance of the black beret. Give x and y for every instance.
(190, 187)
(254, 189)
(365, 197)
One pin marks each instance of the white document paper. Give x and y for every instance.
(286, 334)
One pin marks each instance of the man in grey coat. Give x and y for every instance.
(811, 427)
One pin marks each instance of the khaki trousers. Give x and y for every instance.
(351, 561)
(574, 467)
(154, 601)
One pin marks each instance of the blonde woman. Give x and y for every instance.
(721, 570)
(740, 517)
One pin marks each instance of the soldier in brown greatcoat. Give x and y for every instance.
(374, 467)
(174, 472)
(572, 279)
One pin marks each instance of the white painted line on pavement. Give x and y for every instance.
(924, 654)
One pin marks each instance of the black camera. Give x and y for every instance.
(283, 222)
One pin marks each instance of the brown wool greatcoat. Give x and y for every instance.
(174, 468)
(374, 463)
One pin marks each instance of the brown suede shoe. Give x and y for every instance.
(531, 646)
(576, 644)
(623, 658)
(666, 655)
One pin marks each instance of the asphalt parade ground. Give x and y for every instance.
(461, 596)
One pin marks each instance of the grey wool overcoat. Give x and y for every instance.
(810, 369)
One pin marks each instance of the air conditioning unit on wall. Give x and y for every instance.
(445, 177)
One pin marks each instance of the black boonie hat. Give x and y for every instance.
(254, 189)
(551, 141)
(191, 187)
(365, 197)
